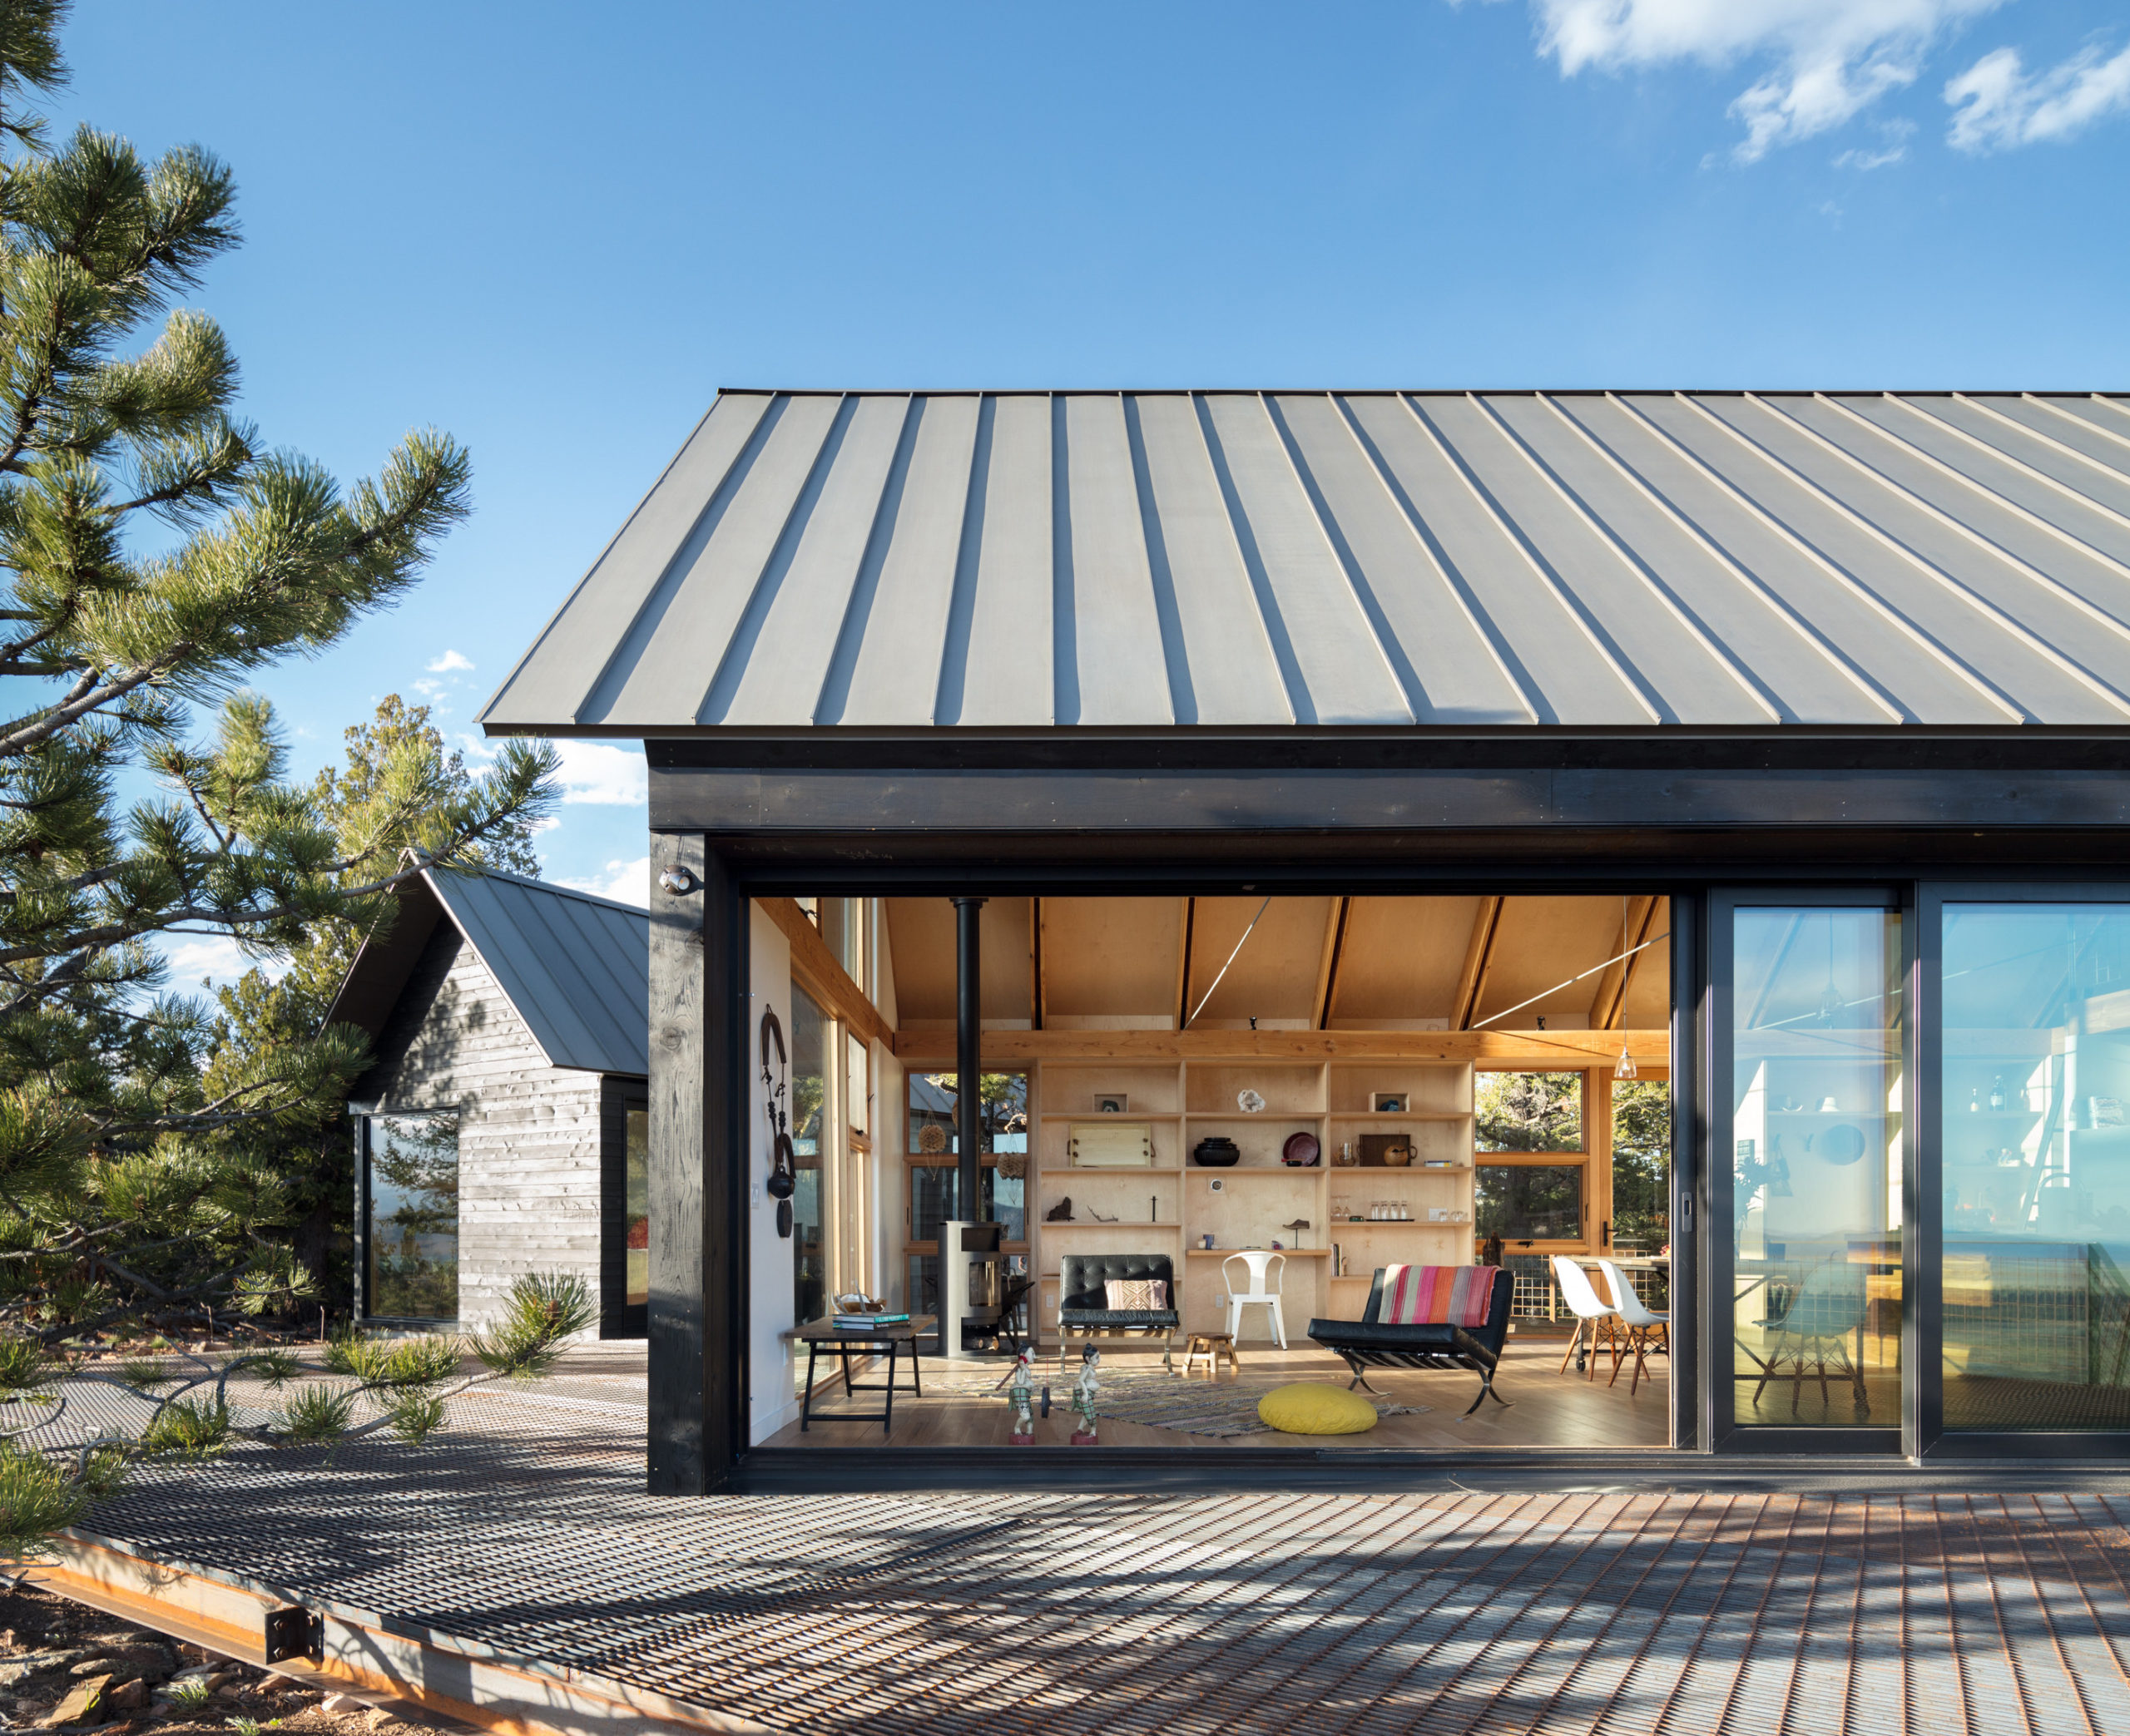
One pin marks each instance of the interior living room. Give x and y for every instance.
(1411, 1152)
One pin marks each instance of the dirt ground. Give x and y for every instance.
(50, 1648)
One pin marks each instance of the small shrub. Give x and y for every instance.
(273, 1368)
(188, 1428)
(145, 1375)
(316, 1413)
(37, 1499)
(24, 1365)
(191, 1694)
(348, 1352)
(102, 1473)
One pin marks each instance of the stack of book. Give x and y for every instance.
(868, 1323)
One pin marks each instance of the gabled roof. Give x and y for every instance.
(1010, 561)
(577, 968)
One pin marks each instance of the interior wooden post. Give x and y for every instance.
(696, 1359)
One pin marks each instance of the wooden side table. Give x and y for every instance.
(840, 1341)
(1209, 1347)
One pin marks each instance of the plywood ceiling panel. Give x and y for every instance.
(1275, 976)
(1540, 944)
(1111, 957)
(921, 940)
(1400, 958)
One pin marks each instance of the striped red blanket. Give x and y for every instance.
(1451, 1295)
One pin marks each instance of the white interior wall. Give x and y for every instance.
(769, 1401)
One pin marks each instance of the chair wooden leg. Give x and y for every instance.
(1574, 1338)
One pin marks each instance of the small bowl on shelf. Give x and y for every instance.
(1215, 1152)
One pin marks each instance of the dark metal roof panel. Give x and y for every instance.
(578, 969)
(892, 561)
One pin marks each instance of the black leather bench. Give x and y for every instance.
(1083, 1299)
(1369, 1343)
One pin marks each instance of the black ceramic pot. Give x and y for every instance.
(1216, 1153)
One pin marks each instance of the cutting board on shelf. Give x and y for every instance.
(1108, 1144)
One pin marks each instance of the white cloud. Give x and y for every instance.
(449, 661)
(626, 882)
(591, 771)
(1997, 105)
(1894, 150)
(1831, 58)
(196, 959)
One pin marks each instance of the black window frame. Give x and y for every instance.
(618, 1317)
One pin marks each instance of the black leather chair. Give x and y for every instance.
(1084, 1300)
(1369, 1343)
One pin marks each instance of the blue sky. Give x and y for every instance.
(556, 231)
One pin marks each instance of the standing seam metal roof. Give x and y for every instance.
(1011, 561)
(577, 968)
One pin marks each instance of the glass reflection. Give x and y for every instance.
(1816, 1166)
(413, 1217)
(2036, 1168)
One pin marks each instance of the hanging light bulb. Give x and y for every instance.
(1627, 1068)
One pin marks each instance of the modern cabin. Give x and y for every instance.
(503, 1125)
(1683, 830)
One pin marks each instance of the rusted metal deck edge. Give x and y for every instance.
(369, 1651)
(1505, 1470)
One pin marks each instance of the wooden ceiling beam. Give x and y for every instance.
(1562, 1050)
(1607, 1004)
(823, 974)
(1478, 959)
(1038, 997)
(1327, 971)
(1183, 962)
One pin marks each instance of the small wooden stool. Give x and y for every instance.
(1210, 1347)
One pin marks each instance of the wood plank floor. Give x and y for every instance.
(1546, 1408)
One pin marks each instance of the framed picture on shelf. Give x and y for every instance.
(1111, 1104)
(1391, 1103)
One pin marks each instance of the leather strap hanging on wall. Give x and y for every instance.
(783, 1158)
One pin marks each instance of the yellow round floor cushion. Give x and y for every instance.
(1309, 1407)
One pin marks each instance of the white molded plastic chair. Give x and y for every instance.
(1265, 1280)
(1595, 1322)
(1640, 1322)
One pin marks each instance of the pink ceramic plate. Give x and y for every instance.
(1300, 1149)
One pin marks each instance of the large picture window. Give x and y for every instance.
(411, 1208)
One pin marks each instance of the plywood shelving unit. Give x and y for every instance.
(1170, 1208)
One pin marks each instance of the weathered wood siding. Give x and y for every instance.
(529, 1133)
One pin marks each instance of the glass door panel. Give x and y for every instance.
(1816, 1046)
(2036, 1170)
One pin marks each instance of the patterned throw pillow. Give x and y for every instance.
(1142, 1294)
(1440, 1295)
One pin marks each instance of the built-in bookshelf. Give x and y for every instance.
(1173, 1207)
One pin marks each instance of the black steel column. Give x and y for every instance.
(968, 1058)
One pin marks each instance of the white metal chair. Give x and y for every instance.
(1264, 1281)
(1596, 1323)
(1640, 1320)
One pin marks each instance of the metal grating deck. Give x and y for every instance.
(524, 1532)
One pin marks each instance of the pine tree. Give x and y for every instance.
(267, 1010)
(154, 554)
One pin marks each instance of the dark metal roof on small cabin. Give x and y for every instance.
(577, 968)
(1010, 561)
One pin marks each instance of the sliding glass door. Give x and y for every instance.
(1808, 1042)
(2033, 1137)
